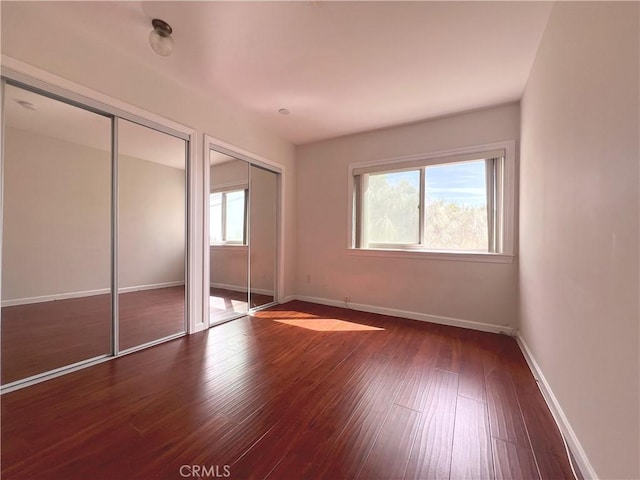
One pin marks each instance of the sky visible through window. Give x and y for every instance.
(462, 183)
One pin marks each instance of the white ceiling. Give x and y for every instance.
(339, 67)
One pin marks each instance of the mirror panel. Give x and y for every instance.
(228, 235)
(263, 235)
(151, 234)
(56, 235)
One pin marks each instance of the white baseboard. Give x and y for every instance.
(556, 410)
(239, 288)
(152, 286)
(226, 286)
(262, 291)
(424, 317)
(85, 293)
(51, 298)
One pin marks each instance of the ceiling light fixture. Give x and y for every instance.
(284, 111)
(160, 37)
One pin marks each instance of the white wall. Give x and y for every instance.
(57, 217)
(263, 225)
(477, 292)
(579, 284)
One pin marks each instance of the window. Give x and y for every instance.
(391, 208)
(228, 217)
(456, 216)
(455, 202)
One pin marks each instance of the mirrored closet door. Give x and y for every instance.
(228, 237)
(93, 234)
(56, 235)
(243, 200)
(151, 234)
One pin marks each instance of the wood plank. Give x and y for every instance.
(431, 453)
(471, 381)
(352, 445)
(390, 451)
(305, 411)
(339, 395)
(471, 455)
(450, 350)
(513, 462)
(350, 448)
(419, 375)
(554, 467)
(505, 417)
(544, 434)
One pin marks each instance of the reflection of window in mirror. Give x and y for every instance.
(228, 217)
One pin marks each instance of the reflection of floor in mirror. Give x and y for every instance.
(39, 337)
(227, 304)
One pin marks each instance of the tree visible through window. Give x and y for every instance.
(392, 207)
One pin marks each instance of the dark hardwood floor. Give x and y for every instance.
(298, 391)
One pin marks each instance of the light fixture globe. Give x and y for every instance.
(160, 37)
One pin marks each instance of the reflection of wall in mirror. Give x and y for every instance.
(56, 238)
(264, 192)
(229, 173)
(151, 223)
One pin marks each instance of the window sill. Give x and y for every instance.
(433, 255)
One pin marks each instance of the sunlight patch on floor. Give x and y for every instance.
(327, 325)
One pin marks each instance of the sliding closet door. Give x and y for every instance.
(151, 235)
(228, 236)
(56, 253)
(263, 222)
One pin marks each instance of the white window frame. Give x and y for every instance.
(505, 203)
(228, 188)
